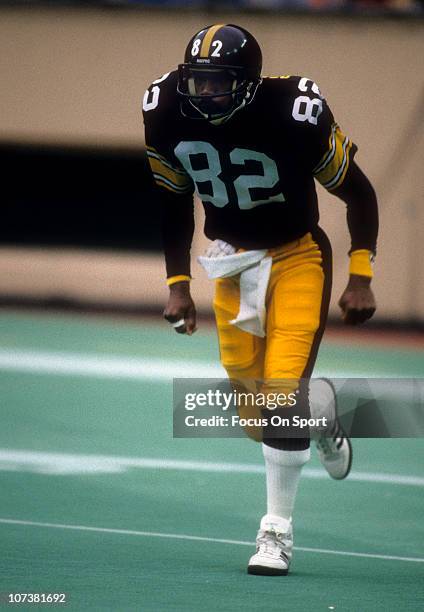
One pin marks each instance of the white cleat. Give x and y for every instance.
(274, 546)
(333, 445)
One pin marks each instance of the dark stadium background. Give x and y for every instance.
(77, 197)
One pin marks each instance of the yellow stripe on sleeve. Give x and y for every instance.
(165, 175)
(331, 169)
(169, 186)
(177, 178)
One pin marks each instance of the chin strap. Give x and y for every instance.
(225, 118)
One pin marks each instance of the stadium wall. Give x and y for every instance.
(76, 77)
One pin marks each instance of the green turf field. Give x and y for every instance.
(100, 502)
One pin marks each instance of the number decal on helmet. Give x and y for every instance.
(305, 108)
(196, 47)
(218, 46)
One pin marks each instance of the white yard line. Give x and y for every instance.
(177, 536)
(78, 464)
(104, 366)
(138, 368)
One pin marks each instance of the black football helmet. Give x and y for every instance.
(220, 74)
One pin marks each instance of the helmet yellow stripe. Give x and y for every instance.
(207, 40)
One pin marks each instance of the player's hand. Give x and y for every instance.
(357, 302)
(181, 307)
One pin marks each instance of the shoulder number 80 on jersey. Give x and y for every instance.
(211, 188)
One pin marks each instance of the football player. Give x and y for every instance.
(251, 147)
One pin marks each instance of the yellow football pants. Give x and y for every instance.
(296, 306)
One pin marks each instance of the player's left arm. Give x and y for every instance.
(357, 301)
(337, 171)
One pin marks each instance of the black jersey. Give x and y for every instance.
(254, 173)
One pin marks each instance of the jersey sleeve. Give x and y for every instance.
(174, 187)
(330, 150)
(166, 174)
(157, 114)
(331, 155)
(337, 151)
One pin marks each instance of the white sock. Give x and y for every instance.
(283, 470)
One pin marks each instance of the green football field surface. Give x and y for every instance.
(98, 500)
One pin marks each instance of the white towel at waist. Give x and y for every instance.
(254, 268)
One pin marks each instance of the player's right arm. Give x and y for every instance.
(177, 235)
(174, 194)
